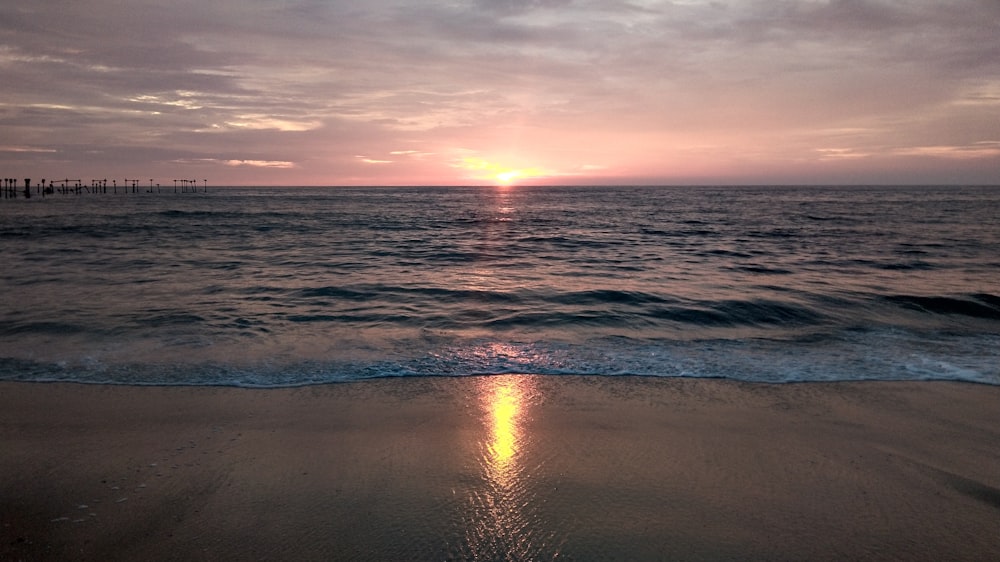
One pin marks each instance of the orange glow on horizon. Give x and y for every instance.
(501, 174)
(506, 178)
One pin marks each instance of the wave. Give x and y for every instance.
(982, 305)
(629, 312)
(41, 327)
(387, 292)
(168, 318)
(884, 355)
(608, 296)
(555, 307)
(907, 266)
(743, 313)
(763, 270)
(619, 307)
(320, 285)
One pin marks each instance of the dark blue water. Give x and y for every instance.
(275, 287)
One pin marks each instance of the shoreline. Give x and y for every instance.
(501, 467)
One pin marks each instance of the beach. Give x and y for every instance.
(512, 467)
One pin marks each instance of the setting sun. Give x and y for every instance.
(484, 170)
(508, 177)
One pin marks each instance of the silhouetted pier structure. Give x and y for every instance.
(12, 188)
(189, 186)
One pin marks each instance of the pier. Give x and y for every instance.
(13, 188)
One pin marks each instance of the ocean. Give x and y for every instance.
(277, 287)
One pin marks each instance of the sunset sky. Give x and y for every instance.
(382, 92)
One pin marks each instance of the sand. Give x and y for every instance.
(501, 468)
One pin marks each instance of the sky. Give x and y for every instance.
(479, 92)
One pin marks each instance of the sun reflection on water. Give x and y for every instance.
(504, 404)
(502, 520)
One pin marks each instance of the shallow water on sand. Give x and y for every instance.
(505, 467)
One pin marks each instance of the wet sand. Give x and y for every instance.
(501, 468)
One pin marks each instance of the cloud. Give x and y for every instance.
(984, 149)
(26, 149)
(270, 122)
(558, 84)
(260, 163)
(367, 160)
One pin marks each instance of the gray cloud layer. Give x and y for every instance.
(295, 91)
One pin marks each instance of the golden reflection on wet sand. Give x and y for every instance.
(502, 522)
(504, 397)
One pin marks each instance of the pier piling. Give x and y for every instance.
(11, 188)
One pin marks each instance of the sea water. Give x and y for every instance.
(295, 286)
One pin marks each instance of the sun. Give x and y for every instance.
(485, 170)
(508, 177)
